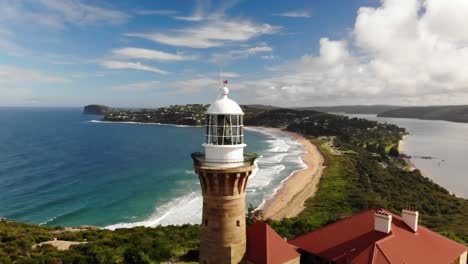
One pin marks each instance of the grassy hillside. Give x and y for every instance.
(365, 173)
(454, 113)
(135, 245)
(352, 183)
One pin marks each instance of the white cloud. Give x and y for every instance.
(296, 14)
(200, 12)
(212, 34)
(205, 83)
(268, 57)
(11, 75)
(77, 12)
(212, 28)
(147, 54)
(402, 52)
(229, 75)
(263, 48)
(111, 64)
(57, 13)
(8, 45)
(189, 18)
(162, 12)
(195, 85)
(240, 53)
(141, 86)
(16, 82)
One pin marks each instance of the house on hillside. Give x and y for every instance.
(372, 236)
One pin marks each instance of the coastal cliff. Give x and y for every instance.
(95, 109)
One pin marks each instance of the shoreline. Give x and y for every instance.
(411, 166)
(288, 201)
(289, 197)
(407, 159)
(137, 123)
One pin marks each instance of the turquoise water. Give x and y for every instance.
(59, 167)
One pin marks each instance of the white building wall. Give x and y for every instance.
(462, 259)
(224, 155)
(382, 222)
(411, 219)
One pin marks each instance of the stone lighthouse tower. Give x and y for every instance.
(223, 170)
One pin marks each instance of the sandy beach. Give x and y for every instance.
(402, 150)
(289, 199)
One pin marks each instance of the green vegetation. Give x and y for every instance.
(134, 245)
(363, 170)
(352, 183)
(352, 109)
(454, 113)
(191, 114)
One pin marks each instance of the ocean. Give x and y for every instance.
(59, 167)
(439, 149)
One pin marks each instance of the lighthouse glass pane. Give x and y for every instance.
(224, 130)
(227, 128)
(219, 128)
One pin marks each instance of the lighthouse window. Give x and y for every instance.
(224, 130)
(238, 223)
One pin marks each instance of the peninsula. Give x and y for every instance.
(192, 114)
(454, 113)
(94, 109)
(362, 169)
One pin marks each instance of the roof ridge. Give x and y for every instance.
(332, 224)
(266, 242)
(383, 253)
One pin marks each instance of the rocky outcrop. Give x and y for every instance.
(95, 109)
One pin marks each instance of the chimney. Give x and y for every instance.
(382, 221)
(410, 217)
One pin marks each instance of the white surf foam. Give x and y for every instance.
(283, 149)
(183, 210)
(191, 172)
(137, 123)
(264, 176)
(273, 159)
(268, 166)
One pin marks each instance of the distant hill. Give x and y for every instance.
(95, 109)
(261, 107)
(352, 109)
(454, 113)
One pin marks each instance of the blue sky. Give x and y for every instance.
(302, 52)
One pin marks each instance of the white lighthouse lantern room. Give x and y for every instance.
(224, 138)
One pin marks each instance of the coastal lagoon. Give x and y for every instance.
(439, 149)
(59, 167)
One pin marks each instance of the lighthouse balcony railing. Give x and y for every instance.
(199, 158)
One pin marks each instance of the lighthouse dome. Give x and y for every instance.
(224, 106)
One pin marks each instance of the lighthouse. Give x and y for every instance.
(223, 170)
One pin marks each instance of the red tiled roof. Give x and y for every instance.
(354, 239)
(265, 246)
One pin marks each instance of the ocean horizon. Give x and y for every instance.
(59, 167)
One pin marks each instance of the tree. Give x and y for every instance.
(133, 256)
(253, 215)
(394, 152)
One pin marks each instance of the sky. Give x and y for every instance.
(133, 53)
